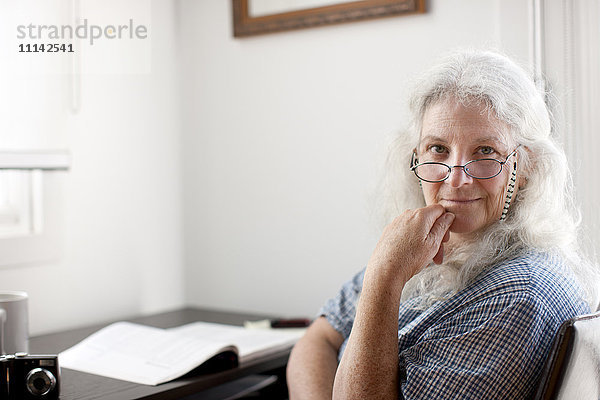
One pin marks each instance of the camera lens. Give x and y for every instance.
(40, 381)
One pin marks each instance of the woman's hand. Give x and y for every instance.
(411, 242)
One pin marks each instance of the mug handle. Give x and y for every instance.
(2, 321)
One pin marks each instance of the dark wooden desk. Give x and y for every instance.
(77, 385)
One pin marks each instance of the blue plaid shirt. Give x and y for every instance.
(488, 341)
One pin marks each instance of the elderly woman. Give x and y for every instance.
(465, 290)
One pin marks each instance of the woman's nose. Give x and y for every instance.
(458, 176)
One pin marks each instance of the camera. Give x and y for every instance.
(24, 377)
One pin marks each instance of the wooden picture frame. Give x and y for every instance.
(345, 11)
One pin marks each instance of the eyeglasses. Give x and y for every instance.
(485, 168)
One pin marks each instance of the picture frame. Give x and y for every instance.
(344, 11)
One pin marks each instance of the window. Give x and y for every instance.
(28, 233)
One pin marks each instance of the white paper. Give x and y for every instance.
(139, 353)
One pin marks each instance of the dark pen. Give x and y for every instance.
(290, 323)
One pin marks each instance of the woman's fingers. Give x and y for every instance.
(439, 230)
(439, 234)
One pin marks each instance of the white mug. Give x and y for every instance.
(14, 322)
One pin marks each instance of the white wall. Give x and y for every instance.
(282, 135)
(121, 215)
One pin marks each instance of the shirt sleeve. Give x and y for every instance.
(493, 350)
(340, 310)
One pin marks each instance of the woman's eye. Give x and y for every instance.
(486, 150)
(437, 149)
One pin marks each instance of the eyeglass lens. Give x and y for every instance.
(481, 169)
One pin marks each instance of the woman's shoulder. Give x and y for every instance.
(534, 276)
(534, 271)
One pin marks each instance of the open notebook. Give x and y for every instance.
(150, 356)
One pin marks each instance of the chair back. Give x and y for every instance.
(572, 370)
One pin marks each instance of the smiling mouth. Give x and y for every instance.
(461, 201)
